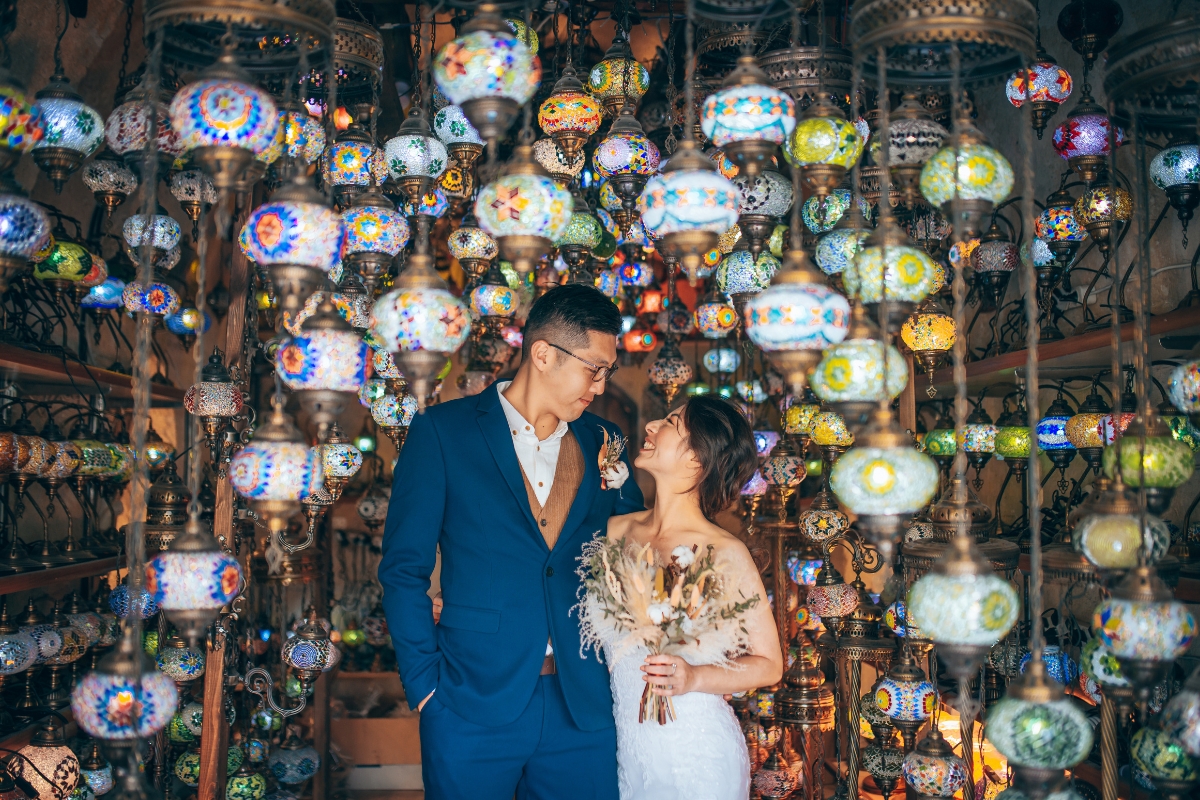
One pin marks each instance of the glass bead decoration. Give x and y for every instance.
(276, 471)
(884, 481)
(905, 701)
(1146, 631)
(217, 112)
(374, 229)
(853, 370)
(105, 705)
(1161, 757)
(303, 233)
(451, 125)
(744, 112)
(181, 663)
(421, 319)
(963, 609)
(626, 153)
(1084, 135)
(1058, 224)
(982, 174)
(522, 204)
(1095, 205)
(837, 249)
(688, 200)
(1049, 735)
(768, 194)
(823, 140)
(822, 214)
(910, 274)
(471, 242)
(926, 330)
(182, 581)
(1166, 462)
(334, 360)
(1048, 82)
(1176, 165)
(24, 226)
(412, 154)
(797, 317)
(740, 272)
(487, 64)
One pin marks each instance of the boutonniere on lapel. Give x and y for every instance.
(613, 471)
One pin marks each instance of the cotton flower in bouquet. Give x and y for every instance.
(684, 607)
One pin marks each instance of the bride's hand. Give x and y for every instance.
(668, 675)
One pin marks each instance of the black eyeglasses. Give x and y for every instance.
(598, 372)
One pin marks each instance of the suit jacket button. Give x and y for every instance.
(549, 572)
(543, 523)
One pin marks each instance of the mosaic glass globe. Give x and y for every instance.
(348, 163)
(276, 470)
(829, 429)
(451, 125)
(743, 112)
(1053, 735)
(199, 580)
(929, 331)
(158, 298)
(904, 700)
(390, 411)
(294, 762)
(304, 233)
(963, 609)
(822, 214)
(224, 112)
(883, 481)
(421, 319)
(626, 153)
(1176, 165)
(715, 318)
(767, 194)
(570, 112)
(721, 360)
(105, 705)
(432, 204)
(1146, 631)
(188, 322)
(618, 78)
(797, 316)
(552, 158)
(824, 140)
(374, 229)
(740, 272)
(1013, 442)
(910, 274)
(934, 775)
(837, 249)
(1085, 135)
(995, 256)
(1161, 757)
(978, 437)
(1048, 82)
(303, 135)
(20, 124)
(181, 663)
(415, 154)
(66, 120)
(853, 371)
(913, 140)
(67, 261)
(982, 174)
(688, 200)
(107, 175)
(158, 231)
(1111, 541)
(24, 226)
(1052, 432)
(471, 242)
(1181, 719)
(1058, 224)
(524, 205)
(486, 63)
(583, 230)
(323, 359)
(1165, 462)
(1095, 206)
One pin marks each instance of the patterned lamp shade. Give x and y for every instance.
(128, 128)
(48, 764)
(487, 63)
(569, 109)
(1085, 134)
(742, 111)
(626, 153)
(1141, 630)
(913, 140)
(310, 650)
(1046, 735)
(931, 331)
(1058, 224)
(982, 174)
(978, 437)
(1013, 442)
(20, 124)
(451, 125)
(829, 429)
(179, 662)
(741, 273)
(420, 319)
(1112, 541)
(796, 316)
(932, 769)
(373, 225)
(294, 232)
(472, 243)
(905, 699)
(995, 256)
(836, 600)
(105, 700)
(715, 318)
(157, 230)
(837, 249)
(721, 360)
(1176, 165)
(415, 154)
(821, 139)
(688, 200)
(121, 605)
(884, 481)
(1183, 387)
(971, 609)
(909, 275)
(276, 465)
(1048, 82)
(618, 78)
(822, 214)
(524, 204)
(1052, 432)
(193, 575)
(294, 762)
(1096, 206)
(390, 411)
(853, 371)
(157, 298)
(72, 129)
(1165, 462)
(303, 135)
(24, 227)
(349, 162)
(1162, 757)
(767, 194)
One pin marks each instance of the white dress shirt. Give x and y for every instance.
(538, 458)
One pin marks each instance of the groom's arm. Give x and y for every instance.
(410, 538)
(629, 498)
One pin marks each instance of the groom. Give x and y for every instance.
(507, 485)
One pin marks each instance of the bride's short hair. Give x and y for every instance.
(724, 445)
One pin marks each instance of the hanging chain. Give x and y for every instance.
(125, 42)
(671, 92)
(417, 76)
(60, 6)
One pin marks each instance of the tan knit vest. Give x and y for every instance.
(568, 474)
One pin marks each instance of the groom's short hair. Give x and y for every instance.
(565, 314)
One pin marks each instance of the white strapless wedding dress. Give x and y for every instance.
(701, 755)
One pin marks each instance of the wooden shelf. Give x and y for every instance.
(20, 737)
(24, 581)
(43, 373)
(1083, 354)
(1187, 590)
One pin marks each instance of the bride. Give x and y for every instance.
(700, 457)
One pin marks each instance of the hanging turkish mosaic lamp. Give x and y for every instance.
(851, 375)
(123, 691)
(831, 598)
(348, 163)
(1044, 84)
(582, 235)
(1083, 139)
(796, 318)
(421, 322)
(20, 123)
(375, 234)
(1144, 627)
(297, 238)
(1084, 429)
(73, 130)
(415, 157)
(963, 606)
(822, 520)
(195, 193)
(1103, 213)
(325, 364)
(687, 207)
(294, 762)
(618, 79)
(109, 180)
(1114, 534)
(463, 143)
(784, 470)
(930, 335)
(1058, 228)
(1052, 433)
(967, 178)
(913, 139)
(908, 277)
(763, 198)
(569, 116)
(1151, 459)
(393, 414)
(310, 652)
(193, 580)
(905, 697)
(525, 210)
(224, 120)
(24, 229)
(883, 480)
(978, 440)
(748, 118)
(472, 246)
(824, 145)
(340, 460)
(741, 276)
(303, 134)
(1176, 170)
(555, 161)
(670, 372)
(1181, 716)
(493, 302)
(276, 470)
(932, 769)
(216, 399)
(488, 71)
(626, 158)
(994, 261)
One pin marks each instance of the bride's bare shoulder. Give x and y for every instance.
(620, 527)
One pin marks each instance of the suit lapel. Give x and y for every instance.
(494, 425)
(589, 444)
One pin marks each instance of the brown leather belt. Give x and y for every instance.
(548, 666)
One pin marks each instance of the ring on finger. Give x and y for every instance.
(674, 666)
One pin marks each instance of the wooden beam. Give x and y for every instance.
(214, 738)
(320, 734)
(908, 398)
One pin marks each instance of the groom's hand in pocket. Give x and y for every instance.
(421, 705)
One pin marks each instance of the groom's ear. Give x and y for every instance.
(541, 355)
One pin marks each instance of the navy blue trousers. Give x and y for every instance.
(540, 756)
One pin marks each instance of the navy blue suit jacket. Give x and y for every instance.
(458, 487)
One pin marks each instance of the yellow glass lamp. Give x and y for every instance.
(929, 334)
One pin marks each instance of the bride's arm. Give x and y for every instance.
(672, 675)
